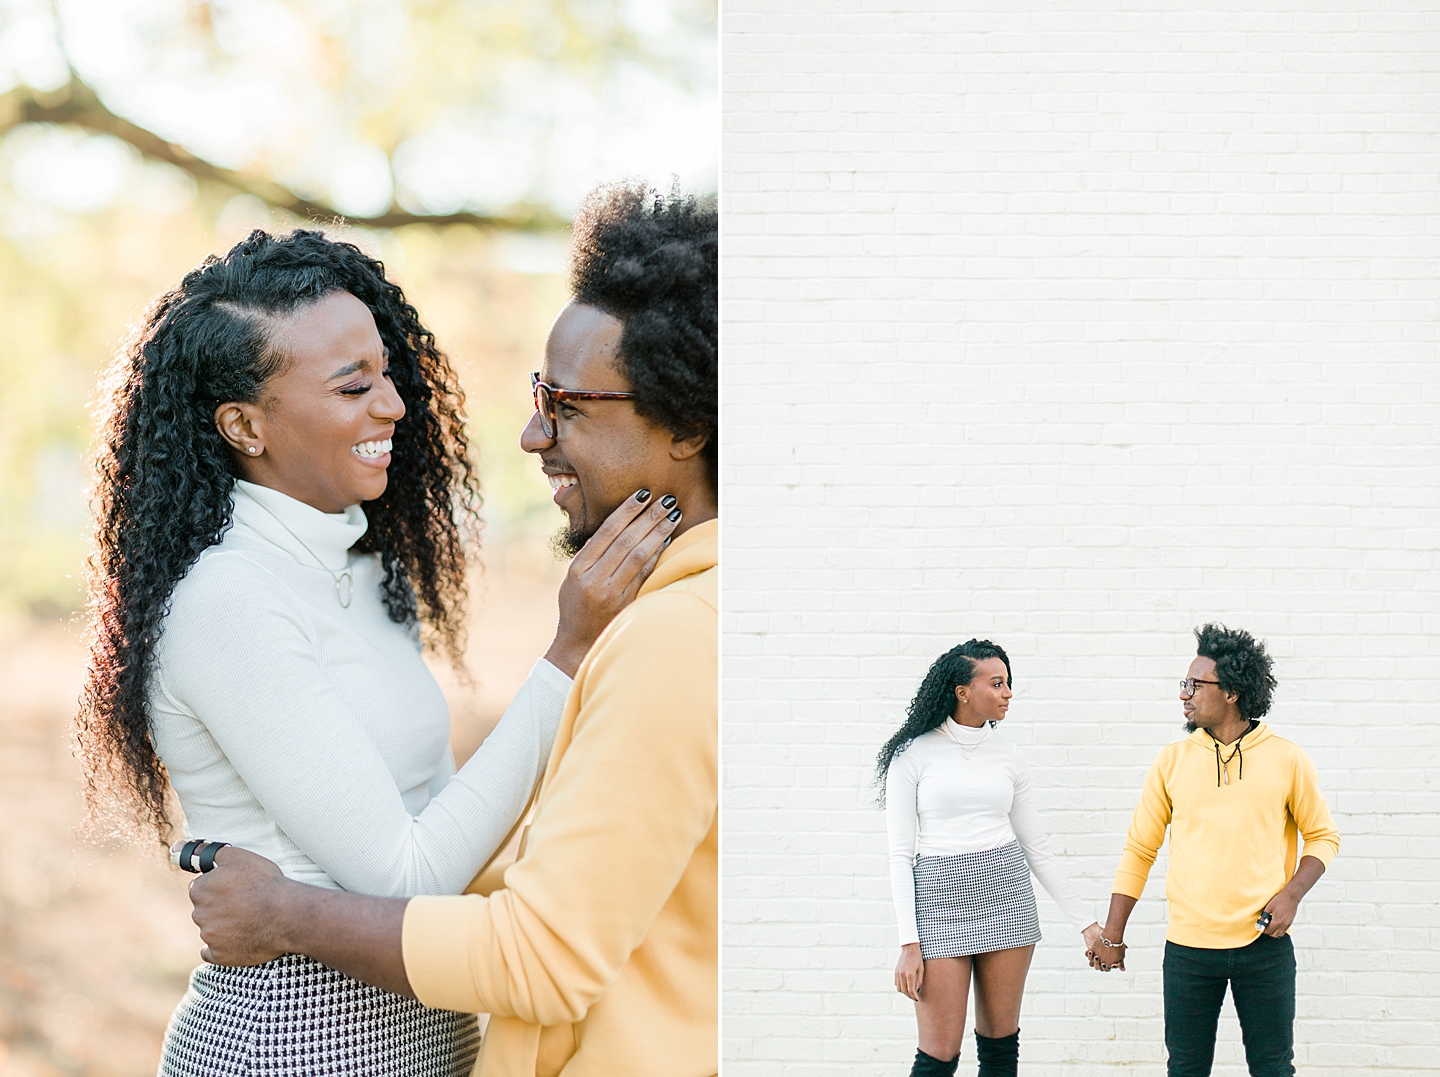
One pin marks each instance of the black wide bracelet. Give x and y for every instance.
(207, 854)
(186, 860)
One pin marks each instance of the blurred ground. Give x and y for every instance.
(96, 943)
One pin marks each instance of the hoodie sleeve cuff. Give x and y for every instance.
(437, 959)
(1322, 849)
(1130, 881)
(1128, 885)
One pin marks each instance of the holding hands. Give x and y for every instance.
(1102, 953)
(1105, 949)
(1105, 956)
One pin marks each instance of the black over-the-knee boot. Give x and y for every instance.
(930, 1066)
(999, 1056)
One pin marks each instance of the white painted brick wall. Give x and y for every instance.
(1074, 326)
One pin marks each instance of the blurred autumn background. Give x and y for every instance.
(450, 138)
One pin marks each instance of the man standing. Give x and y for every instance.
(1235, 796)
(597, 954)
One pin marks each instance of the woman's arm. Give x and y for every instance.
(902, 829)
(303, 755)
(242, 657)
(902, 826)
(606, 575)
(1025, 821)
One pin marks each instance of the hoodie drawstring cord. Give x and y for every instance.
(1239, 750)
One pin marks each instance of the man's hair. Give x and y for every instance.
(652, 262)
(1241, 666)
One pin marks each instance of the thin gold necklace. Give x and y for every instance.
(966, 750)
(341, 596)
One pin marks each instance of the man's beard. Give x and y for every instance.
(569, 541)
(1190, 726)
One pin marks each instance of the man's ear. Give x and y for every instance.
(240, 424)
(685, 448)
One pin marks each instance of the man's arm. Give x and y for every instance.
(623, 814)
(1282, 906)
(1322, 841)
(1105, 957)
(1142, 845)
(249, 913)
(633, 798)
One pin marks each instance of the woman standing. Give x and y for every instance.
(283, 492)
(964, 838)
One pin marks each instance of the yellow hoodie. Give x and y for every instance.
(599, 956)
(1233, 832)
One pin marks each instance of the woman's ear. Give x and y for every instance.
(239, 425)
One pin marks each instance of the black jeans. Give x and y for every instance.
(1262, 980)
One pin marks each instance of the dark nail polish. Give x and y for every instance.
(674, 516)
(668, 501)
(643, 496)
(667, 541)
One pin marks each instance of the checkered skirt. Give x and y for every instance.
(294, 1017)
(974, 903)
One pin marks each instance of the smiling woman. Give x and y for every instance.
(198, 401)
(323, 432)
(283, 492)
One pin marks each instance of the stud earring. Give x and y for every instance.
(252, 448)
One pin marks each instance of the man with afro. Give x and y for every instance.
(1233, 884)
(595, 949)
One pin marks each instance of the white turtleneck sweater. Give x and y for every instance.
(313, 734)
(959, 790)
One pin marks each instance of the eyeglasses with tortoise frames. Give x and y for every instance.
(547, 396)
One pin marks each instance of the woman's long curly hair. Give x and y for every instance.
(165, 477)
(935, 701)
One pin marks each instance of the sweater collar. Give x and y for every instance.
(692, 553)
(967, 736)
(302, 531)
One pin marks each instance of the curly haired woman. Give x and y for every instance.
(964, 838)
(283, 494)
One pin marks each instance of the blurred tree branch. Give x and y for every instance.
(78, 105)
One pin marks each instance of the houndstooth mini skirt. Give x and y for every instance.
(975, 903)
(294, 1017)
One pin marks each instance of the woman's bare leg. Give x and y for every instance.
(941, 1009)
(999, 986)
